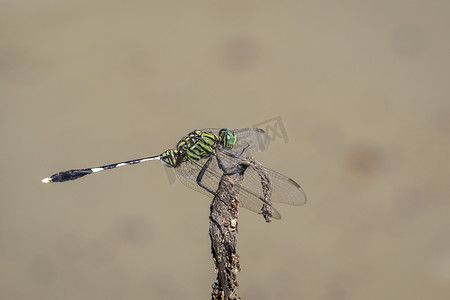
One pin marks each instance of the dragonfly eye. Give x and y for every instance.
(227, 138)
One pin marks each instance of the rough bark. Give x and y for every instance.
(223, 227)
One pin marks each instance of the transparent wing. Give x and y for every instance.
(250, 196)
(284, 189)
(253, 140)
(188, 171)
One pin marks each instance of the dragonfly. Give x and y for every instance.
(203, 156)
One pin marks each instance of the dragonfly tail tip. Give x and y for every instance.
(46, 180)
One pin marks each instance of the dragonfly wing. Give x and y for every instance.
(250, 141)
(188, 171)
(284, 189)
(251, 192)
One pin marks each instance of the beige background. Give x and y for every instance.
(362, 89)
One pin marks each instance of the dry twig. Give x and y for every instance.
(223, 226)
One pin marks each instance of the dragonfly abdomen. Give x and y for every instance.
(171, 158)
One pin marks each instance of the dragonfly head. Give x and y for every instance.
(227, 138)
(171, 158)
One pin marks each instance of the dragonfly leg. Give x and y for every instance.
(230, 171)
(236, 155)
(200, 176)
(248, 145)
(221, 166)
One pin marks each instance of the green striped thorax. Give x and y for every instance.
(197, 145)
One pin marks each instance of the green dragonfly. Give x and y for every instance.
(192, 160)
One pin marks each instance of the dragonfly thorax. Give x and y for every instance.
(197, 145)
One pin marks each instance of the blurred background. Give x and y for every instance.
(360, 88)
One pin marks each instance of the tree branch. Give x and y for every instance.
(223, 226)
